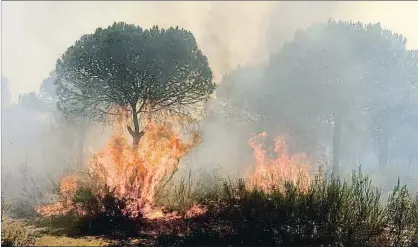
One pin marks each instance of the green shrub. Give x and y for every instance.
(331, 213)
(402, 212)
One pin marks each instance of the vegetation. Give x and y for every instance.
(331, 213)
(13, 233)
(140, 71)
(329, 85)
(336, 83)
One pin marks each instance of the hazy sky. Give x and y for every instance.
(34, 34)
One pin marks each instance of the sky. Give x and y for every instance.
(35, 34)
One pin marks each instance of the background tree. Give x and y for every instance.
(335, 82)
(391, 73)
(140, 71)
(44, 102)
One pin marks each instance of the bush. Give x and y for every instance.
(104, 216)
(93, 214)
(14, 233)
(331, 213)
(403, 213)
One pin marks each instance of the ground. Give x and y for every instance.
(66, 241)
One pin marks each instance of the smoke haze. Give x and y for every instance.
(35, 34)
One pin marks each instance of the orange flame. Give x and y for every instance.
(67, 190)
(136, 174)
(272, 173)
(132, 175)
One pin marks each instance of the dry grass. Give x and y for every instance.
(66, 241)
(16, 233)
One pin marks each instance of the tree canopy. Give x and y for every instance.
(344, 74)
(342, 82)
(140, 71)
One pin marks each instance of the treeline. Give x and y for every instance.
(340, 88)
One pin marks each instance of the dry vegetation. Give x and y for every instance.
(330, 213)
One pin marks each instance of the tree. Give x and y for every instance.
(313, 82)
(140, 71)
(391, 74)
(336, 75)
(44, 102)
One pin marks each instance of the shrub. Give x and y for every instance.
(14, 233)
(103, 215)
(331, 212)
(402, 212)
(93, 213)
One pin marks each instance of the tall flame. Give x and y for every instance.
(272, 172)
(131, 174)
(135, 175)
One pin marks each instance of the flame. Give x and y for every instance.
(272, 173)
(135, 175)
(68, 187)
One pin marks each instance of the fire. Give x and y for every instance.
(136, 175)
(67, 190)
(271, 173)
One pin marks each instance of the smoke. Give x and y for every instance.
(262, 31)
(229, 33)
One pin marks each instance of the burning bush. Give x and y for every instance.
(122, 182)
(136, 175)
(88, 208)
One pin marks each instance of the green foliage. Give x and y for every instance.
(135, 69)
(402, 209)
(331, 213)
(180, 195)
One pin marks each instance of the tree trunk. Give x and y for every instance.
(136, 137)
(336, 145)
(135, 133)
